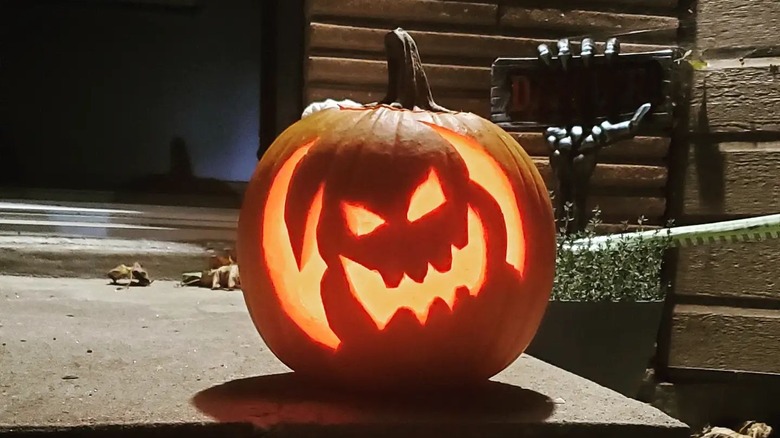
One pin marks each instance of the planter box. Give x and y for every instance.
(610, 343)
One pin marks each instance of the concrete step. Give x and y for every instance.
(80, 358)
(49, 256)
(72, 239)
(128, 221)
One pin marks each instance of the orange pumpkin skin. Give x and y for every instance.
(376, 157)
(387, 248)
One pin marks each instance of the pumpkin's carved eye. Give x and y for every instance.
(360, 220)
(427, 197)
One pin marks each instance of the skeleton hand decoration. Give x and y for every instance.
(601, 135)
(573, 149)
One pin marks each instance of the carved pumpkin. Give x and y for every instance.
(397, 244)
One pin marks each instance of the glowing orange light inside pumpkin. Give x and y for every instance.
(427, 197)
(486, 172)
(298, 287)
(469, 265)
(360, 220)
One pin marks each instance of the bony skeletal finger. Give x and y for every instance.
(612, 49)
(612, 133)
(619, 128)
(586, 50)
(564, 52)
(544, 53)
(588, 144)
(640, 113)
(556, 131)
(596, 132)
(576, 134)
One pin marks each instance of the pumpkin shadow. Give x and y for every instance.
(286, 400)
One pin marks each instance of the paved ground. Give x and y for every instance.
(79, 353)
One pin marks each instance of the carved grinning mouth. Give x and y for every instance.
(382, 302)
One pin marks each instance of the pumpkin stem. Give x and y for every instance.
(407, 83)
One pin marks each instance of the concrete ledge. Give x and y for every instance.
(117, 221)
(82, 359)
(85, 240)
(45, 256)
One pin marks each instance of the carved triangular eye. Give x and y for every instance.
(360, 220)
(427, 197)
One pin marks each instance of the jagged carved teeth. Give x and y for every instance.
(418, 272)
(392, 278)
(444, 262)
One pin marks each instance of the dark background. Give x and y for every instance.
(144, 95)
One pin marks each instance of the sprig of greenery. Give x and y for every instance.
(625, 269)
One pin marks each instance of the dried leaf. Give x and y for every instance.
(218, 261)
(694, 59)
(135, 275)
(191, 278)
(234, 279)
(121, 272)
(140, 275)
(221, 273)
(698, 64)
(226, 277)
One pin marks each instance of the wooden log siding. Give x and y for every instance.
(574, 22)
(709, 271)
(736, 99)
(459, 40)
(729, 294)
(615, 175)
(430, 12)
(725, 338)
(733, 179)
(374, 73)
(352, 41)
(737, 27)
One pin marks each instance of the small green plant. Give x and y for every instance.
(626, 268)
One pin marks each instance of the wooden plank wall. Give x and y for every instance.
(727, 312)
(459, 40)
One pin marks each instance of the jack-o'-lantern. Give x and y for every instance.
(397, 243)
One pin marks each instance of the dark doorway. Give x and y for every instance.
(283, 31)
(140, 98)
